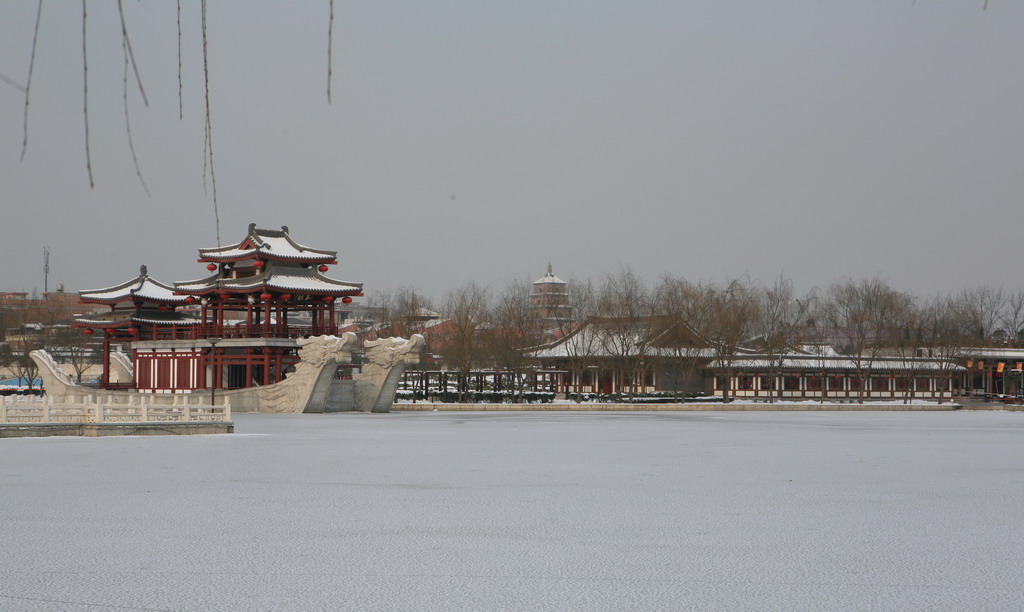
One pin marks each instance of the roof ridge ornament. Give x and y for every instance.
(143, 271)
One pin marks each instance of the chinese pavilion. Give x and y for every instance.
(237, 328)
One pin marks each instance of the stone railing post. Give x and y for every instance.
(99, 411)
(186, 414)
(145, 411)
(227, 411)
(46, 412)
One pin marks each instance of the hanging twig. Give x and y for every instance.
(127, 42)
(330, 38)
(85, 92)
(180, 114)
(127, 120)
(28, 83)
(12, 82)
(208, 137)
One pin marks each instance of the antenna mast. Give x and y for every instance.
(46, 269)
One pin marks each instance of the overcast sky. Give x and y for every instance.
(476, 140)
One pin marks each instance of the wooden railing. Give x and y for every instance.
(242, 330)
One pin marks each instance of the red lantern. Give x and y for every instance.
(328, 298)
(225, 296)
(211, 267)
(258, 264)
(110, 331)
(88, 332)
(322, 268)
(346, 300)
(133, 331)
(286, 296)
(265, 296)
(190, 300)
(163, 307)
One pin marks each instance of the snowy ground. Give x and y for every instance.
(523, 511)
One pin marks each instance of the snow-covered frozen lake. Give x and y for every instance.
(523, 511)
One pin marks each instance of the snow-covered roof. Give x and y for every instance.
(275, 275)
(123, 319)
(845, 364)
(549, 278)
(993, 353)
(267, 244)
(596, 338)
(141, 287)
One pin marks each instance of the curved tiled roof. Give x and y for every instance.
(141, 287)
(267, 244)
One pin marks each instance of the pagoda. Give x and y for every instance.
(237, 328)
(550, 310)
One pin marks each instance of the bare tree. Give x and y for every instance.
(401, 312)
(942, 335)
(462, 342)
(509, 334)
(1011, 317)
(868, 316)
(579, 343)
(780, 317)
(70, 346)
(980, 308)
(626, 322)
(731, 318)
(682, 303)
(22, 343)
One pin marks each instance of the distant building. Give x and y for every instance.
(550, 308)
(613, 355)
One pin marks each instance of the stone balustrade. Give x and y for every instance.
(106, 408)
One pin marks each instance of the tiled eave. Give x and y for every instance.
(236, 255)
(288, 279)
(146, 317)
(836, 365)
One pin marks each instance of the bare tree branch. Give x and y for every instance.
(330, 38)
(12, 82)
(208, 138)
(85, 91)
(180, 112)
(28, 83)
(125, 51)
(131, 55)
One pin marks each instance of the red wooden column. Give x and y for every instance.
(201, 373)
(215, 380)
(248, 367)
(105, 377)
